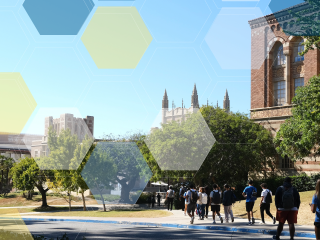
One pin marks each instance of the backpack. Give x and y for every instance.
(204, 198)
(171, 195)
(268, 198)
(254, 194)
(216, 198)
(183, 190)
(194, 197)
(287, 198)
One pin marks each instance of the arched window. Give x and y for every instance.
(280, 58)
(299, 48)
(278, 27)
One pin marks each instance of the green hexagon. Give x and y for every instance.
(116, 37)
(17, 103)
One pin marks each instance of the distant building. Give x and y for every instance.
(78, 126)
(226, 102)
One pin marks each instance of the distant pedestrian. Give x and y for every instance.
(250, 193)
(170, 197)
(227, 202)
(181, 198)
(315, 208)
(266, 199)
(158, 197)
(287, 200)
(215, 201)
(201, 203)
(192, 196)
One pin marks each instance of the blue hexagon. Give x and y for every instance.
(58, 17)
(116, 173)
(13, 42)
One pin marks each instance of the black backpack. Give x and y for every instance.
(183, 190)
(194, 197)
(216, 198)
(254, 194)
(268, 198)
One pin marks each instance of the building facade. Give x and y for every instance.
(277, 70)
(179, 113)
(78, 126)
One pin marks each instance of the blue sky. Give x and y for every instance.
(204, 42)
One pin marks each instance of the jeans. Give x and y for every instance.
(201, 208)
(227, 211)
(265, 206)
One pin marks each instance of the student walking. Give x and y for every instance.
(266, 199)
(170, 197)
(158, 197)
(186, 201)
(215, 201)
(250, 193)
(315, 208)
(227, 202)
(206, 190)
(287, 200)
(181, 198)
(192, 196)
(201, 203)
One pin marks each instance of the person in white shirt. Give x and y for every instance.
(170, 197)
(265, 203)
(215, 201)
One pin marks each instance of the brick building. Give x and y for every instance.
(277, 71)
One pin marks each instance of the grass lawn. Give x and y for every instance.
(122, 213)
(305, 216)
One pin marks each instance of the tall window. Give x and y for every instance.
(300, 47)
(298, 82)
(279, 93)
(286, 162)
(280, 58)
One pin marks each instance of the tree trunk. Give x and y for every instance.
(69, 201)
(125, 189)
(103, 203)
(84, 201)
(43, 194)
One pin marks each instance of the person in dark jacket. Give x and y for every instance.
(227, 203)
(287, 201)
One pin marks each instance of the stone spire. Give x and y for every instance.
(165, 101)
(194, 98)
(226, 102)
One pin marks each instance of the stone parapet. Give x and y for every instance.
(271, 112)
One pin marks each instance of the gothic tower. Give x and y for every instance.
(194, 98)
(165, 106)
(226, 102)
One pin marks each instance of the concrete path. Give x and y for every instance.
(178, 220)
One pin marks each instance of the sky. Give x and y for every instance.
(203, 42)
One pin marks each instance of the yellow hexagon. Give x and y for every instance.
(116, 37)
(17, 103)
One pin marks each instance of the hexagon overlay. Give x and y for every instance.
(116, 37)
(58, 17)
(59, 138)
(284, 12)
(182, 142)
(17, 103)
(116, 172)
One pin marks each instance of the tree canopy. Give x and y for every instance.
(299, 136)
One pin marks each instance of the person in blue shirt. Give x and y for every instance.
(250, 199)
(315, 208)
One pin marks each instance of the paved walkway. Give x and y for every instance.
(178, 220)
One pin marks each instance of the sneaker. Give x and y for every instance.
(221, 219)
(232, 219)
(249, 223)
(262, 223)
(207, 216)
(276, 238)
(274, 220)
(185, 214)
(214, 222)
(253, 220)
(192, 220)
(227, 221)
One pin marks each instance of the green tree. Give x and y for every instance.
(6, 163)
(27, 175)
(309, 25)
(299, 136)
